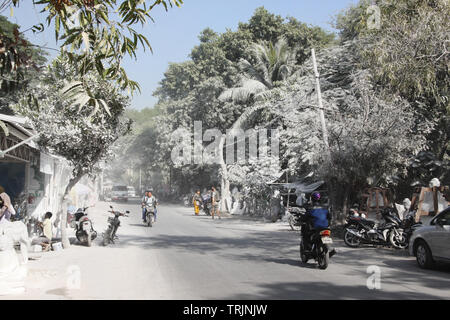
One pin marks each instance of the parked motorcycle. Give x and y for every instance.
(187, 201)
(207, 204)
(293, 215)
(407, 227)
(110, 234)
(359, 230)
(320, 241)
(84, 230)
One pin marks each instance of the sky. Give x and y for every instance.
(174, 33)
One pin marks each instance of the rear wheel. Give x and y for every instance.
(89, 239)
(350, 239)
(423, 255)
(323, 259)
(398, 239)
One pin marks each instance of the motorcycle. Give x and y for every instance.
(407, 227)
(84, 230)
(110, 234)
(359, 230)
(207, 204)
(186, 201)
(150, 215)
(320, 245)
(293, 215)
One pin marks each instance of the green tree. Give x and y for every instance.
(20, 61)
(408, 55)
(268, 65)
(81, 136)
(97, 35)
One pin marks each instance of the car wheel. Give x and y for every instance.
(423, 255)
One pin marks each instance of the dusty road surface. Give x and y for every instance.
(194, 257)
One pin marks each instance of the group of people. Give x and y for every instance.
(213, 196)
(46, 228)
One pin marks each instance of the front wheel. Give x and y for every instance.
(423, 255)
(106, 236)
(351, 240)
(149, 220)
(398, 239)
(303, 255)
(293, 223)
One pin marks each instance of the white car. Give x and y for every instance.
(119, 193)
(432, 243)
(131, 192)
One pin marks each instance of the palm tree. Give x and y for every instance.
(270, 63)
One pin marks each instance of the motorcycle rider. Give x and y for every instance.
(148, 200)
(317, 217)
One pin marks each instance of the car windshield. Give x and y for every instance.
(119, 188)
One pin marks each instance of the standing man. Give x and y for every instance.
(197, 201)
(144, 201)
(215, 198)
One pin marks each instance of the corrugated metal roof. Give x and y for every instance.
(19, 127)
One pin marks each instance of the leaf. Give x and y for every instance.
(105, 106)
(85, 37)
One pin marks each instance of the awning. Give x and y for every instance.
(20, 128)
(19, 141)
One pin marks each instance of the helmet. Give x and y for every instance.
(315, 196)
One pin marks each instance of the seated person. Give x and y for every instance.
(46, 238)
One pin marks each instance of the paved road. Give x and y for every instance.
(194, 257)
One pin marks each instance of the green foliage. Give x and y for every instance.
(81, 136)
(97, 35)
(408, 55)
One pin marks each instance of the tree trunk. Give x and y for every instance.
(72, 182)
(225, 182)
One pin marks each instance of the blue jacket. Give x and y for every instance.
(319, 216)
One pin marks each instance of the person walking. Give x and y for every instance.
(6, 207)
(215, 198)
(197, 201)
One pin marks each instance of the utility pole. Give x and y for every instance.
(140, 179)
(319, 100)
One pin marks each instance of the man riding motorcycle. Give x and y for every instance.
(150, 201)
(317, 217)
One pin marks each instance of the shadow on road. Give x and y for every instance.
(325, 291)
